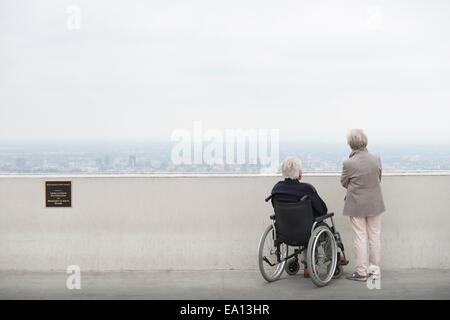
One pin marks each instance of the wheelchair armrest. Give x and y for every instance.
(321, 218)
(268, 198)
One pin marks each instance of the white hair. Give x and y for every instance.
(291, 167)
(357, 139)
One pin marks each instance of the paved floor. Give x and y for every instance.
(230, 284)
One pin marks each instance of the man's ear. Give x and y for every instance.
(300, 175)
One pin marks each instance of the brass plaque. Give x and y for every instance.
(58, 194)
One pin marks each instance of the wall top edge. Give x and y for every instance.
(204, 175)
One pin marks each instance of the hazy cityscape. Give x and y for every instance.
(155, 157)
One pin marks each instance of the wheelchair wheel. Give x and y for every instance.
(292, 267)
(321, 256)
(269, 267)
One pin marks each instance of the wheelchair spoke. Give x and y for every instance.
(322, 256)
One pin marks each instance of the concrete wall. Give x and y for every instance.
(198, 222)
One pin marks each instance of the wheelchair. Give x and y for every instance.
(294, 227)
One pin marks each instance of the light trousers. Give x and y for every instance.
(366, 228)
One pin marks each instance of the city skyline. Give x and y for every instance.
(151, 157)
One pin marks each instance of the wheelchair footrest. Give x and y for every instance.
(268, 262)
(344, 262)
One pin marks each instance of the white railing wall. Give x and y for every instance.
(162, 222)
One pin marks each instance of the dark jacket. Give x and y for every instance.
(295, 189)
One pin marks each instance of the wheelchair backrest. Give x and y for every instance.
(293, 219)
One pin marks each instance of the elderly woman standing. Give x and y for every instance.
(361, 176)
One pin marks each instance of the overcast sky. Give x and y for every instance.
(141, 69)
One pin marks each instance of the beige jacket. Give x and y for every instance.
(361, 176)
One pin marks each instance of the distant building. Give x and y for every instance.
(21, 162)
(107, 161)
(132, 162)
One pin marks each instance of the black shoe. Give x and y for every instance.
(357, 277)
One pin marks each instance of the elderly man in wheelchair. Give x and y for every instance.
(299, 223)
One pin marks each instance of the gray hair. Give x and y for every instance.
(291, 167)
(357, 139)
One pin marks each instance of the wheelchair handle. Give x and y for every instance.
(324, 217)
(305, 197)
